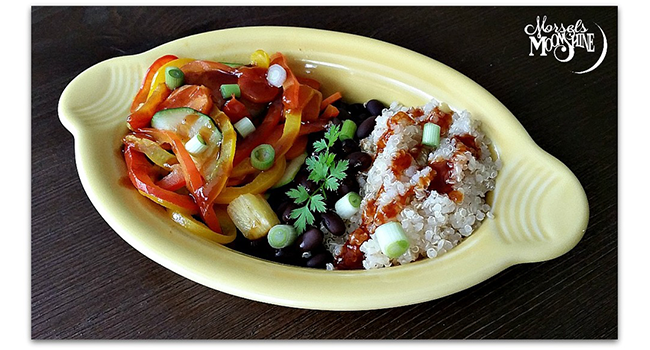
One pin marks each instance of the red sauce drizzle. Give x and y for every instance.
(401, 162)
(394, 120)
(467, 142)
(441, 118)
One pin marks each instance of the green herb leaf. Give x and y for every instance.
(320, 146)
(326, 172)
(338, 171)
(332, 134)
(317, 203)
(303, 217)
(331, 184)
(299, 194)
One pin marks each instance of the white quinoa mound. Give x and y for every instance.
(432, 221)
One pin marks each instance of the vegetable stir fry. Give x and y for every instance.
(208, 139)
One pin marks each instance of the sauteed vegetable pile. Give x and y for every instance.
(217, 143)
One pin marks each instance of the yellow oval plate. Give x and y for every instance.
(540, 208)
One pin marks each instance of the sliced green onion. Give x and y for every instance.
(244, 126)
(276, 75)
(232, 64)
(431, 135)
(228, 90)
(196, 144)
(281, 236)
(262, 156)
(392, 239)
(347, 130)
(174, 77)
(348, 205)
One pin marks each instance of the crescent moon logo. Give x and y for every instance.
(602, 55)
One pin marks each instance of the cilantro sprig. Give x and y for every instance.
(327, 172)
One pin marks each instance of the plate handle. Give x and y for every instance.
(541, 209)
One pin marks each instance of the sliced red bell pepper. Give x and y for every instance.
(143, 92)
(173, 181)
(142, 116)
(298, 147)
(140, 173)
(193, 179)
(261, 133)
(291, 85)
(297, 97)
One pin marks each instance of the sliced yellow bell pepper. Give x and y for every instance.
(261, 183)
(260, 58)
(198, 228)
(289, 134)
(217, 178)
(159, 77)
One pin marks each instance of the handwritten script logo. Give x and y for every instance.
(562, 41)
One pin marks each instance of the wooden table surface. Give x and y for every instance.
(87, 283)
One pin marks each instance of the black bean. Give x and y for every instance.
(310, 239)
(365, 128)
(260, 248)
(279, 209)
(319, 260)
(310, 185)
(349, 184)
(286, 214)
(375, 107)
(333, 223)
(356, 109)
(336, 121)
(349, 146)
(288, 255)
(343, 115)
(359, 161)
(330, 198)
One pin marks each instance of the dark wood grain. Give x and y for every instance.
(87, 283)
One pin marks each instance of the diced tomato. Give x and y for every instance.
(212, 75)
(197, 97)
(254, 87)
(235, 110)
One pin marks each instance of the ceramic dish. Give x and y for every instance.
(540, 208)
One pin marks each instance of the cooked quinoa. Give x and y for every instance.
(437, 194)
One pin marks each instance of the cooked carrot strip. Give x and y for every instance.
(329, 112)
